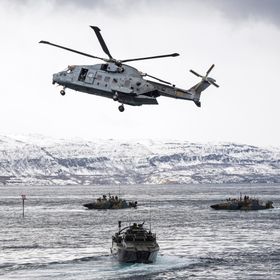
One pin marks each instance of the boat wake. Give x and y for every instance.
(105, 266)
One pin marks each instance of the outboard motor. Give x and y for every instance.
(120, 226)
(268, 205)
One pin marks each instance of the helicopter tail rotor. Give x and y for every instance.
(205, 79)
(202, 85)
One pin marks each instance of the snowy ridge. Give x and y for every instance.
(39, 160)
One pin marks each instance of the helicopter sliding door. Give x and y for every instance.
(86, 75)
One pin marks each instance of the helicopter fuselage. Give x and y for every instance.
(120, 82)
(124, 84)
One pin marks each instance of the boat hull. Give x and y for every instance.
(135, 256)
(254, 205)
(108, 205)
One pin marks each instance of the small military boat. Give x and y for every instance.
(110, 202)
(243, 203)
(134, 244)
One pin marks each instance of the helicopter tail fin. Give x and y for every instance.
(196, 91)
(199, 87)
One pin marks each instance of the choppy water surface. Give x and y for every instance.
(59, 239)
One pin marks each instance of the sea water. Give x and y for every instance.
(59, 239)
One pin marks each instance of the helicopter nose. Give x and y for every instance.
(55, 78)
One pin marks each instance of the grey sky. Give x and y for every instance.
(240, 37)
(234, 9)
(266, 10)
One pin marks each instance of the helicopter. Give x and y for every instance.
(123, 83)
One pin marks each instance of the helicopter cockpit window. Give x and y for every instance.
(83, 74)
(104, 67)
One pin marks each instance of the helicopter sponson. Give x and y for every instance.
(116, 80)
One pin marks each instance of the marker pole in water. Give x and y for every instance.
(23, 197)
(150, 216)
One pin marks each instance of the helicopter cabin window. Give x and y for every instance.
(98, 77)
(106, 79)
(83, 74)
(127, 83)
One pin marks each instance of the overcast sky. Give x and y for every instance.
(241, 37)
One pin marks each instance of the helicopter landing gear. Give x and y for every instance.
(62, 92)
(121, 108)
(115, 97)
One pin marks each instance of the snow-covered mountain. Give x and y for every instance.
(44, 161)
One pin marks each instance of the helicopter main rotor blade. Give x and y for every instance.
(149, 57)
(101, 40)
(71, 50)
(157, 79)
